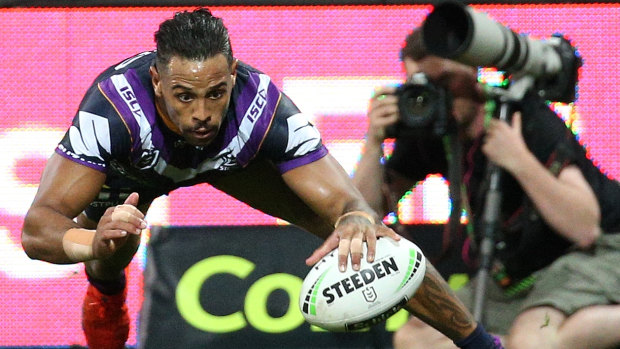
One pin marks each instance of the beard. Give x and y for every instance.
(469, 117)
(464, 111)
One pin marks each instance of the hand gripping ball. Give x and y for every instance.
(353, 300)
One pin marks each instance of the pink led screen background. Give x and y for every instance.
(50, 56)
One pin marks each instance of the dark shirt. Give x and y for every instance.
(530, 244)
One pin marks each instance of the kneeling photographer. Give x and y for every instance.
(557, 250)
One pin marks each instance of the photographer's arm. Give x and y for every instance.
(434, 302)
(567, 202)
(369, 175)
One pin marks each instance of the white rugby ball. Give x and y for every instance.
(353, 300)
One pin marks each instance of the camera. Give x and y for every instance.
(424, 109)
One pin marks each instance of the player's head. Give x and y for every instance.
(195, 35)
(194, 74)
(460, 79)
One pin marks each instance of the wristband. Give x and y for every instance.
(78, 244)
(479, 339)
(363, 214)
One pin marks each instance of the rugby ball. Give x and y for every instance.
(354, 300)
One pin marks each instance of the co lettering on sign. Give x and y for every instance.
(254, 312)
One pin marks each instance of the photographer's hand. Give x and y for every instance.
(382, 112)
(504, 144)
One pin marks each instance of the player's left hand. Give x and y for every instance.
(504, 144)
(115, 226)
(349, 237)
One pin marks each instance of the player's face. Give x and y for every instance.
(459, 79)
(195, 95)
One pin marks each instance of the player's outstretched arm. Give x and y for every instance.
(326, 188)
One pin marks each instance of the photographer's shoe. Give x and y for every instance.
(105, 319)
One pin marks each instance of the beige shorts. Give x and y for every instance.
(574, 281)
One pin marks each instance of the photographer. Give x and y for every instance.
(558, 281)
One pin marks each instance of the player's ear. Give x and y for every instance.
(233, 71)
(156, 80)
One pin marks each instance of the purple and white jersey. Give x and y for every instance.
(118, 131)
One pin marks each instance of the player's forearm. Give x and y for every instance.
(327, 188)
(570, 208)
(437, 305)
(42, 235)
(368, 176)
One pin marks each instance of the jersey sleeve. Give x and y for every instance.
(292, 140)
(96, 134)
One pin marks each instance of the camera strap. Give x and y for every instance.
(471, 248)
(453, 150)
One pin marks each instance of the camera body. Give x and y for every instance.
(424, 109)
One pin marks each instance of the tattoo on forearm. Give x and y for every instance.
(437, 305)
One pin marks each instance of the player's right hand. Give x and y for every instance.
(343, 240)
(115, 226)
